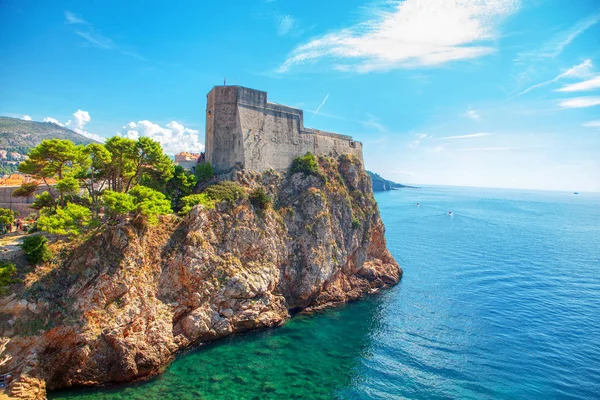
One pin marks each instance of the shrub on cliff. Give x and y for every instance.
(7, 272)
(307, 164)
(226, 190)
(194, 199)
(204, 171)
(260, 199)
(36, 249)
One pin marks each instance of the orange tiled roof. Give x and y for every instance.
(19, 179)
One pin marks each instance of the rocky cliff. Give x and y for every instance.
(119, 305)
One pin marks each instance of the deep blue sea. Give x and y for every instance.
(500, 300)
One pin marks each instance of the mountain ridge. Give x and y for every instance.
(19, 135)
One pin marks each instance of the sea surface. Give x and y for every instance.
(500, 300)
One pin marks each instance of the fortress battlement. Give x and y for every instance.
(245, 130)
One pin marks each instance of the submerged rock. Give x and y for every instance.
(119, 306)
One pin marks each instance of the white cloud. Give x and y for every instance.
(414, 33)
(472, 114)
(80, 119)
(579, 70)
(174, 137)
(26, 118)
(580, 102)
(285, 23)
(472, 135)
(587, 85)
(592, 124)
(53, 121)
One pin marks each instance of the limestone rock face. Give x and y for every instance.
(119, 306)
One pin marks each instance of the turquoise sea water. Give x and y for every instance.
(499, 301)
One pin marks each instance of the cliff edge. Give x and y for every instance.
(120, 305)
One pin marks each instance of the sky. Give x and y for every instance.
(491, 93)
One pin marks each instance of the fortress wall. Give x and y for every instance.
(244, 129)
(271, 138)
(224, 146)
(335, 146)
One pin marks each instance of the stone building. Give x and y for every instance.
(187, 160)
(244, 130)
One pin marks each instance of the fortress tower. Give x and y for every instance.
(246, 131)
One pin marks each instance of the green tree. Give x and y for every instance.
(117, 205)
(54, 158)
(67, 186)
(150, 203)
(36, 249)
(180, 185)
(68, 220)
(26, 189)
(132, 160)
(7, 272)
(121, 165)
(204, 171)
(7, 217)
(95, 177)
(150, 159)
(42, 200)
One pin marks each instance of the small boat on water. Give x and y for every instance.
(418, 205)
(575, 192)
(450, 213)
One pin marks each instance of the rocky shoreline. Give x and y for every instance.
(120, 305)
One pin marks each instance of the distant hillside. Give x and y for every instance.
(381, 185)
(17, 135)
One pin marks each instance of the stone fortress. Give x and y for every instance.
(244, 130)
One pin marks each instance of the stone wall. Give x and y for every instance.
(19, 204)
(243, 129)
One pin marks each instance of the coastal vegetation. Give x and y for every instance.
(36, 249)
(7, 272)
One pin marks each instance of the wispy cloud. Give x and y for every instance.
(87, 31)
(285, 23)
(74, 19)
(489, 149)
(555, 46)
(472, 114)
(470, 136)
(582, 69)
(374, 122)
(413, 33)
(319, 108)
(415, 143)
(590, 84)
(96, 39)
(580, 102)
(592, 124)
